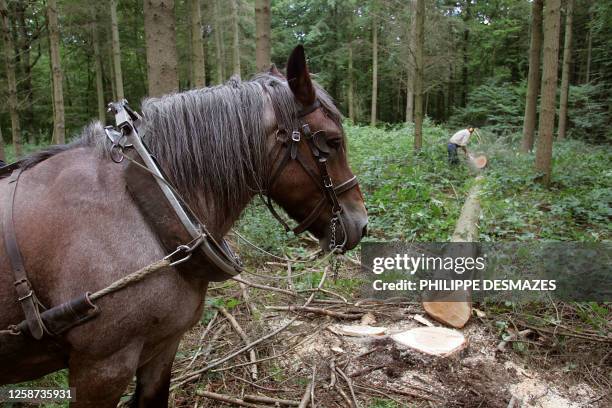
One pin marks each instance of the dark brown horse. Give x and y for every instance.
(79, 230)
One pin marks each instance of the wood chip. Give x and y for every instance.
(422, 320)
(435, 341)
(358, 331)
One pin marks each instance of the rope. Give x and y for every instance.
(131, 278)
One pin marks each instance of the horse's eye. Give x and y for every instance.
(334, 143)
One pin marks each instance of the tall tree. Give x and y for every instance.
(419, 21)
(262, 35)
(9, 60)
(160, 41)
(351, 84)
(116, 51)
(374, 65)
(59, 121)
(410, 65)
(565, 75)
(552, 22)
(533, 81)
(198, 64)
(235, 38)
(25, 39)
(2, 155)
(219, 50)
(98, 68)
(466, 39)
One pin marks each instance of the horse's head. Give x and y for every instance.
(310, 176)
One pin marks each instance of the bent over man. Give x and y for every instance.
(459, 141)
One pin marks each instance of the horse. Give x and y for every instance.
(79, 230)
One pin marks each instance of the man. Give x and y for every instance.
(459, 141)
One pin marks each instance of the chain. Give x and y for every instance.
(334, 261)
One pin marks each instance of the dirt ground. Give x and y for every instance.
(370, 371)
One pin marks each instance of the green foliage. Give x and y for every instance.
(497, 105)
(589, 115)
(577, 207)
(408, 197)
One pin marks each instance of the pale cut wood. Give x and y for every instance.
(435, 341)
(358, 330)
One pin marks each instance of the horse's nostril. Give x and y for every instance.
(364, 231)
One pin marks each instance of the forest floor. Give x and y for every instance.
(550, 365)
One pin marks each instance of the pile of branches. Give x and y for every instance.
(248, 352)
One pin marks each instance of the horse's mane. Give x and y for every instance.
(210, 141)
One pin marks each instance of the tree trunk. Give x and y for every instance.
(59, 124)
(374, 69)
(218, 43)
(262, 35)
(9, 60)
(589, 50)
(351, 89)
(552, 22)
(116, 51)
(27, 111)
(565, 75)
(419, 71)
(2, 155)
(235, 38)
(198, 64)
(533, 81)
(410, 65)
(98, 69)
(466, 38)
(160, 41)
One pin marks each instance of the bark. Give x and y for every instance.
(2, 155)
(25, 41)
(351, 89)
(235, 38)
(220, 54)
(59, 124)
(418, 80)
(98, 69)
(410, 66)
(198, 63)
(116, 51)
(589, 50)
(552, 22)
(565, 75)
(533, 81)
(9, 60)
(160, 41)
(262, 34)
(466, 38)
(374, 70)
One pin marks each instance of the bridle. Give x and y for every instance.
(320, 152)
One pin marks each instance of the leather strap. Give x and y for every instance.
(25, 293)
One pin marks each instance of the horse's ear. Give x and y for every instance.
(298, 77)
(275, 72)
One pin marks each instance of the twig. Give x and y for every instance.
(196, 374)
(245, 338)
(306, 397)
(350, 385)
(314, 384)
(226, 398)
(270, 400)
(316, 310)
(265, 287)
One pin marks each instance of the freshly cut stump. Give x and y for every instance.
(435, 341)
(359, 331)
(480, 162)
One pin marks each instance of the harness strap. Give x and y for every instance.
(25, 294)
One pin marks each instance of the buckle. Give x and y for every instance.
(179, 249)
(29, 295)
(296, 136)
(327, 182)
